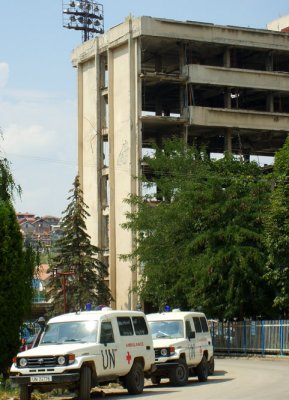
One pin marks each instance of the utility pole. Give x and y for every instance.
(64, 276)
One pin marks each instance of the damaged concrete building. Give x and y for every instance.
(224, 87)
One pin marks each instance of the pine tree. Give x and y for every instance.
(76, 254)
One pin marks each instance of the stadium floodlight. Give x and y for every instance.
(85, 16)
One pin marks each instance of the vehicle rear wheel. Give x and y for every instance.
(156, 380)
(85, 383)
(134, 380)
(202, 370)
(179, 376)
(25, 392)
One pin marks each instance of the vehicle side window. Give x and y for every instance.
(204, 324)
(198, 325)
(125, 326)
(106, 332)
(140, 326)
(188, 328)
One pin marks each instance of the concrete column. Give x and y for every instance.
(228, 141)
(227, 92)
(135, 88)
(112, 238)
(270, 61)
(270, 96)
(227, 58)
(80, 121)
(227, 98)
(99, 146)
(270, 102)
(182, 91)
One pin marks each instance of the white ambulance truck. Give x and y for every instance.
(81, 350)
(183, 346)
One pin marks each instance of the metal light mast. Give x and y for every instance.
(85, 16)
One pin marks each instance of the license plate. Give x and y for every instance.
(43, 378)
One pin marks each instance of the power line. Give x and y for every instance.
(42, 159)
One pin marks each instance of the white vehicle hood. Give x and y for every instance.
(175, 342)
(60, 349)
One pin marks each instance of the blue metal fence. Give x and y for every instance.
(255, 337)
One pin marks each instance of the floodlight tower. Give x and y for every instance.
(83, 15)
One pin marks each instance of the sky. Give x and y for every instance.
(38, 91)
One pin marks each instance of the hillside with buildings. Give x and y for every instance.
(37, 230)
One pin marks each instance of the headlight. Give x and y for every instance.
(61, 360)
(23, 362)
(164, 352)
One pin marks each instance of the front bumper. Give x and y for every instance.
(166, 366)
(56, 379)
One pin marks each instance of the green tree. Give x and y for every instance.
(277, 232)
(16, 272)
(74, 252)
(202, 243)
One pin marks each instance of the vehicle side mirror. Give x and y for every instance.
(192, 335)
(42, 323)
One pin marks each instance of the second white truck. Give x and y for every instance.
(183, 346)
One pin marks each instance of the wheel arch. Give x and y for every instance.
(139, 360)
(91, 366)
(206, 354)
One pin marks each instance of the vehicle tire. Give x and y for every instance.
(203, 370)
(156, 380)
(179, 376)
(211, 366)
(134, 380)
(25, 392)
(85, 383)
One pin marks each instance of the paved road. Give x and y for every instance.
(234, 379)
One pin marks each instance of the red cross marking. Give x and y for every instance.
(128, 357)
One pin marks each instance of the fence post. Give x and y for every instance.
(213, 335)
(262, 337)
(229, 336)
(281, 337)
(245, 336)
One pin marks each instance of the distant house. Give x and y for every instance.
(25, 217)
(51, 220)
(26, 227)
(41, 226)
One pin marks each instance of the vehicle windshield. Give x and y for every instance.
(167, 329)
(69, 332)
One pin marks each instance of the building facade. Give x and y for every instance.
(146, 79)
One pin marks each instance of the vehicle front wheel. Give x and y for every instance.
(211, 366)
(85, 383)
(179, 376)
(25, 392)
(134, 380)
(202, 370)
